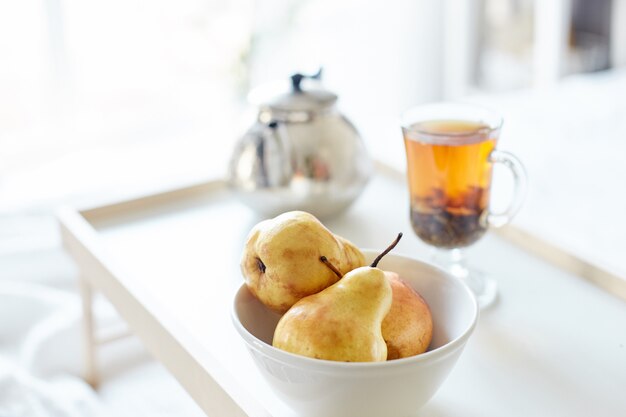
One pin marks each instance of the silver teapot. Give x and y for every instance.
(301, 154)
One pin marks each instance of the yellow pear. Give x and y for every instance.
(281, 259)
(353, 257)
(344, 321)
(408, 327)
(340, 323)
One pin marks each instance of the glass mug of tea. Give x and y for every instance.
(450, 152)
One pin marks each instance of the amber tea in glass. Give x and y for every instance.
(449, 177)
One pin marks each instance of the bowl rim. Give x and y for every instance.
(320, 365)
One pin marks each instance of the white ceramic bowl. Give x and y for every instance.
(314, 387)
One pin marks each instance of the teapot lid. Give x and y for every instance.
(303, 93)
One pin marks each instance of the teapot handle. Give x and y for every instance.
(282, 146)
(297, 78)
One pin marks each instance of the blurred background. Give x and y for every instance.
(104, 99)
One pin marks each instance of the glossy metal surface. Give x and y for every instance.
(292, 159)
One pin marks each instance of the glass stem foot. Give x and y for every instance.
(485, 289)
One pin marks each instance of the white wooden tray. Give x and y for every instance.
(553, 344)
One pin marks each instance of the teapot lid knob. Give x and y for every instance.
(296, 79)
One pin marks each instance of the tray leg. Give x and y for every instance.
(89, 342)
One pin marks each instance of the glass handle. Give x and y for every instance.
(520, 187)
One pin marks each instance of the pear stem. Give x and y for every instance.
(386, 251)
(332, 267)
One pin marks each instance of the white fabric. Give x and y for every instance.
(34, 323)
(22, 395)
